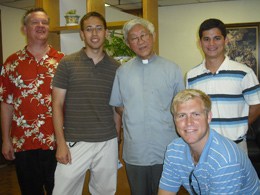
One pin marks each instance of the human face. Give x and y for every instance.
(94, 33)
(213, 43)
(140, 40)
(37, 27)
(192, 121)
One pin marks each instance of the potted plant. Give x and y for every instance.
(117, 48)
(71, 17)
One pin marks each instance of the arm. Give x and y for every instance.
(6, 120)
(254, 113)
(58, 97)
(164, 192)
(118, 122)
(119, 110)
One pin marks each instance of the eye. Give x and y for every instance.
(34, 22)
(89, 29)
(205, 39)
(195, 115)
(45, 22)
(99, 28)
(142, 36)
(181, 116)
(218, 38)
(133, 39)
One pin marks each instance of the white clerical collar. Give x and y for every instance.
(146, 61)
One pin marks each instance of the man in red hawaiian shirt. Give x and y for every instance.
(26, 106)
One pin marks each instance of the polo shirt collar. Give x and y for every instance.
(205, 152)
(223, 66)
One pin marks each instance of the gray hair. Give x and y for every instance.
(33, 10)
(129, 25)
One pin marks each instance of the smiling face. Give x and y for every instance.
(213, 43)
(36, 27)
(140, 40)
(93, 33)
(192, 121)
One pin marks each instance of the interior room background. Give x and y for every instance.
(178, 27)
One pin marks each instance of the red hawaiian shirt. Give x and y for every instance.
(25, 83)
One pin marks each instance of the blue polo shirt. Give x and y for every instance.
(223, 168)
(146, 92)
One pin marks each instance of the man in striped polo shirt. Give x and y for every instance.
(233, 87)
(202, 160)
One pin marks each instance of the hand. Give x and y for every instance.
(8, 150)
(63, 155)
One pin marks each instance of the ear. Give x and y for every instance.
(107, 33)
(82, 35)
(23, 30)
(199, 43)
(154, 36)
(209, 116)
(226, 40)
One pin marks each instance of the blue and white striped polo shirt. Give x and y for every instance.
(232, 89)
(223, 168)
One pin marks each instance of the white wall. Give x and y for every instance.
(178, 27)
(72, 42)
(12, 37)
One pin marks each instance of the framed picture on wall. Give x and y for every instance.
(243, 44)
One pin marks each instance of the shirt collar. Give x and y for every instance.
(25, 52)
(146, 61)
(223, 66)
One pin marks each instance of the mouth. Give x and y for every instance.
(143, 48)
(94, 40)
(42, 31)
(190, 131)
(212, 49)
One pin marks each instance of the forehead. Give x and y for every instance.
(191, 104)
(212, 32)
(137, 29)
(39, 14)
(93, 21)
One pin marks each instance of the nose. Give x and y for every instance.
(189, 119)
(94, 31)
(211, 41)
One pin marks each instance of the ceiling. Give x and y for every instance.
(120, 4)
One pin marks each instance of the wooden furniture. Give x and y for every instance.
(52, 7)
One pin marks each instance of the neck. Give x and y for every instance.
(148, 57)
(195, 157)
(38, 51)
(213, 64)
(95, 55)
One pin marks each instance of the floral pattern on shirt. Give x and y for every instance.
(25, 83)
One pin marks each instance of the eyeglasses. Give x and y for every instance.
(143, 37)
(190, 183)
(193, 115)
(91, 29)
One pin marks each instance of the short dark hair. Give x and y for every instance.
(37, 9)
(92, 14)
(212, 23)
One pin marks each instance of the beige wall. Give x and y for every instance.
(179, 25)
(12, 37)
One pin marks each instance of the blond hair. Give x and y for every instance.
(189, 94)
